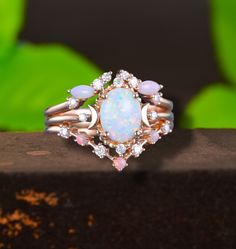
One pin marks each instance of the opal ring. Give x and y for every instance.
(128, 115)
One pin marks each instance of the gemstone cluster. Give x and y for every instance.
(125, 116)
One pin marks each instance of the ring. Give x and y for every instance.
(128, 114)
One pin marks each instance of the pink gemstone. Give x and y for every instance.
(82, 139)
(149, 87)
(119, 163)
(153, 137)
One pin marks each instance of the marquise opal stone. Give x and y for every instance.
(149, 87)
(82, 92)
(120, 115)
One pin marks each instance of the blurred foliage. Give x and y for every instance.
(215, 105)
(11, 17)
(224, 34)
(33, 77)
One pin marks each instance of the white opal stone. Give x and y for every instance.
(149, 87)
(120, 115)
(82, 92)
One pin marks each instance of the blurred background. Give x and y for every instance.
(47, 47)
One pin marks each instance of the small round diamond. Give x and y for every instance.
(153, 137)
(120, 149)
(137, 149)
(118, 82)
(106, 77)
(120, 115)
(82, 117)
(98, 84)
(133, 82)
(64, 132)
(165, 128)
(153, 115)
(72, 102)
(100, 151)
(124, 74)
(156, 99)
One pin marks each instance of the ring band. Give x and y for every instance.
(128, 114)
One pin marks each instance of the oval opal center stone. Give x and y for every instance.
(120, 115)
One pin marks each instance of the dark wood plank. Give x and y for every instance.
(182, 150)
(180, 194)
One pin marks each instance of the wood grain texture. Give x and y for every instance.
(181, 193)
(182, 150)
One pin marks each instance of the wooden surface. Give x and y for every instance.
(182, 150)
(181, 194)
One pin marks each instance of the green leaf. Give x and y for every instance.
(11, 18)
(214, 107)
(224, 34)
(36, 77)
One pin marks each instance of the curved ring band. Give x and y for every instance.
(75, 119)
(164, 105)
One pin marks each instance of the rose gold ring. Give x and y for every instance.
(128, 114)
